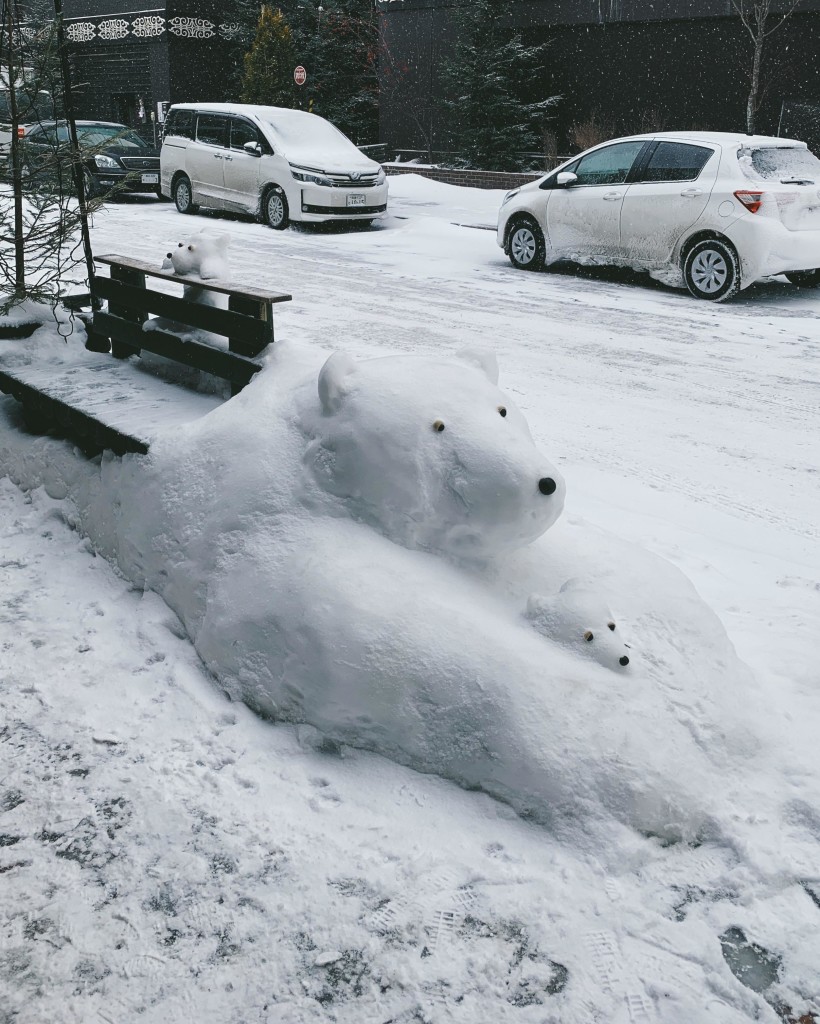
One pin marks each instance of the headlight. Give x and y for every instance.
(381, 177)
(311, 176)
(509, 196)
(101, 160)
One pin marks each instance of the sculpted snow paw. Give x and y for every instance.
(577, 618)
(431, 453)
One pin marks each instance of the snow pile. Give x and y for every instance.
(297, 531)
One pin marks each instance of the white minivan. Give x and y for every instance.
(282, 165)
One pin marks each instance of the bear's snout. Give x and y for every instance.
(546, 485)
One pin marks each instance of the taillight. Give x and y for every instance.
(750, 199)
(20, 132)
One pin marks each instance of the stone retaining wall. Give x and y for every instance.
(473, 179)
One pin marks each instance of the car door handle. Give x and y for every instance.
(612, 196)
(690, 193)
(227, 158)
(217, 156)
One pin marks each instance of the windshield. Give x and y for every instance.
(114, 136)
(31, 107)
(305, 135)
(781, 163)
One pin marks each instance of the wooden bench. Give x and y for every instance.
(108, 403)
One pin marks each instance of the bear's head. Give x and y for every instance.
(578, 618)
(202, 255)
(430, 451)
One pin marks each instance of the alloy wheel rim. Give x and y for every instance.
(183, 196)
(523, 245)
(709, 271)
(275, 209)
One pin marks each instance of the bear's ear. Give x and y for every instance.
(484, 359)
(333, 381)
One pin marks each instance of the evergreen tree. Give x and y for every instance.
(489, 122)
(270, 62)
(337, 41)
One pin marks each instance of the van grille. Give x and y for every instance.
(345, 181)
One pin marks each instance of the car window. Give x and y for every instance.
(116, 136)
(608, 166)
(675, 161)
(212, 129)
(242, 132)
(180, 122)
(779, 163)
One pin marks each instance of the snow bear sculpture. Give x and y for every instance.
(310, 535)
(439, 460)
(578, 618)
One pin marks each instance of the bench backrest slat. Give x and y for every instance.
(253, 333)
(226, 288)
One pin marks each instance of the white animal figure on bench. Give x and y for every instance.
(205, 256)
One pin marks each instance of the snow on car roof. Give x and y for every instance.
(722, 138)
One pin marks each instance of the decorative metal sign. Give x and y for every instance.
(149, 26)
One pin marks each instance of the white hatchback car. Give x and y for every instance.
(712, 210)
(283, 165)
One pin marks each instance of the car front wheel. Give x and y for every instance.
(183, 196)
(804, 278)
(275, 209)
(711, 270)
(526, 246)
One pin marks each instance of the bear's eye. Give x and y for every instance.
(588, 635)
(502, 411)
(181, 245)
(438, 426)
(611, 625)
(190, 248)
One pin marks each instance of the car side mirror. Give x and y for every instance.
(565, 179)
(253, 148)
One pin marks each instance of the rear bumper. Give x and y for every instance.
(766, 247)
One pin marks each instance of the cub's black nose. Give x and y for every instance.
(623, 660)
(169, 255)
(546, 485)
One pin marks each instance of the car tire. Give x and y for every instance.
(525, 246)
(183, 195)
(804, 278)
(711, 270)
(275, 209)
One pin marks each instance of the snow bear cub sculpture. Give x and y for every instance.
(203, 255)
(440, 460)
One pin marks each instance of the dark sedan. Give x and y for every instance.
(115, 157)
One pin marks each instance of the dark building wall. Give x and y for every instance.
(636, 64)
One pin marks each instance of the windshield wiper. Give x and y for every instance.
(796, 181)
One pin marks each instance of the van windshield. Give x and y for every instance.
(303, 134)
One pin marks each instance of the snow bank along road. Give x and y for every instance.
(165, 856)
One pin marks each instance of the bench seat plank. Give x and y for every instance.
(115, 405)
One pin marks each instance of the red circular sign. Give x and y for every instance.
(299, 75)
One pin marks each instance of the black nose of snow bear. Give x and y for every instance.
(546, 485)
(623, 660)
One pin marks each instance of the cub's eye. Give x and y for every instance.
(190, 248)
(180, 245)
(588, 635)
(611, 625)
(502, 411)
(438, 426)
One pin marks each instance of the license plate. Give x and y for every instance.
(150, 179)
(356, 199)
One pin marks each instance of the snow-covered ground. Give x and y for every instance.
(164, 853)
